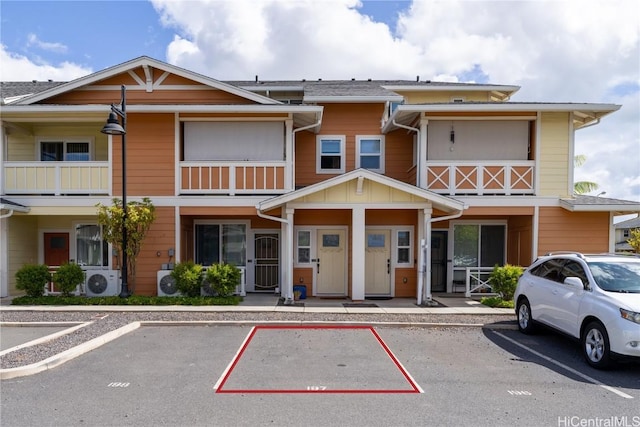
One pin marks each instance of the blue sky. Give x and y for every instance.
(555, 50)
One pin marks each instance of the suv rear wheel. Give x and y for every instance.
(595, 345)
(525, 321)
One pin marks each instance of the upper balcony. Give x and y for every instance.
(232, 178)
(480, 178)
(56, 178)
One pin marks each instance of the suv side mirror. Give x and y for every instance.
(574, 282)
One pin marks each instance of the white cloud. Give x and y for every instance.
(32, 40)
(15, 66)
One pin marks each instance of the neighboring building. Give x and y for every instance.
(623, 234)
(353, 188)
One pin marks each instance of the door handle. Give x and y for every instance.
(318, 265)
(388, 266)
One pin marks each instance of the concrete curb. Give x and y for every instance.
(67, 355)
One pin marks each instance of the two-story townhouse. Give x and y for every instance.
(352, 188)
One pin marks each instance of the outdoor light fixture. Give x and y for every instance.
(113, 127)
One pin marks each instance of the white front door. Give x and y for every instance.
(331, 262)
(377, 263)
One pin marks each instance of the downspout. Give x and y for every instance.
(425, 291)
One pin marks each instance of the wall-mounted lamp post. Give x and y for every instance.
(113, 127)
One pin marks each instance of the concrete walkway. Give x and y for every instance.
(446, 304)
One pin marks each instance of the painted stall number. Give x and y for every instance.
(316, 387)
(519, 392)
(123, 385)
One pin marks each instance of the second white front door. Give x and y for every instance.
(377, 262)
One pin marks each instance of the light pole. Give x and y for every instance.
(113, 127)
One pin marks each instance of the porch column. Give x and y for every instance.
(357, 253)
(4, 258)
(287, 278)
(424, 257)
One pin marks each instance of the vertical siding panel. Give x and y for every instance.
(553, 165)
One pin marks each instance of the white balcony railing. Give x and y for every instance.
(56, 178)
(232, 177)
(478, 178)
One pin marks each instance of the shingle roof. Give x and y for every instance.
(14, 89)
(630, 223)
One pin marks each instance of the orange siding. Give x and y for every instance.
(519, 240)
(408, 289)
(157, 97)
(303, 276)
(160, 238)
(150, 156)
(352, 120)
(561, 230)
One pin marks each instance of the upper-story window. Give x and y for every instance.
(370, 153)
(626, 233)
(330, 154)
(58, 151)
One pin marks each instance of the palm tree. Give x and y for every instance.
(583, 187)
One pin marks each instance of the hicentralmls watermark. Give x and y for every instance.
(614, 421)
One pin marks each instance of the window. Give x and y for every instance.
(91, 249)
(221, 243)
(477, 245)
(330, 154)
(550, 270)
(626, 233)
(304, 247)
(370, 153)
(403, 245)
(58, 151)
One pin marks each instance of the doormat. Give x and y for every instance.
(359, 304)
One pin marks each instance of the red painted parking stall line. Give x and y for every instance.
(220, 385)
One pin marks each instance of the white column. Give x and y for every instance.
(357, 253)
(288, 259)
(289, 154)
(4, 258)
(177, 255)
(427, 252)
(422, 154)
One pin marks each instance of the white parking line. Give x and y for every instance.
(563, 366)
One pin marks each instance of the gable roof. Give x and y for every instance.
(443, 203)
(630, 223)
(146, 63)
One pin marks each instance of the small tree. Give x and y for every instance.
(140, 216)
(68, 277)
(188, 277)
(32, 279)
(224, 278)
(505, 279)
(634, 240)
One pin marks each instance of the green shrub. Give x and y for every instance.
(32, 278)
(188, 277)
(223, 278)
(496, 302)
(504, 280)
(68, 277)
(132, 300)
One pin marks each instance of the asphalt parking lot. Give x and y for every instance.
(241, 375)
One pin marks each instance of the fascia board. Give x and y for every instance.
(617, 208)
(353, 99)
(440, 88)
(144, 108)
(138, 62)
(505, 106)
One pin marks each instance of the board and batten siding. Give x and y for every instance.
(554, 161)
(561, 230)
(22, 246)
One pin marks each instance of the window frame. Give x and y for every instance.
(298, 247)
(319, 154)
(380, 155)
(105, 246)
(221, 252)
(65, 142)
(396, 232)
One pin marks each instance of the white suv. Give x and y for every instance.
(595, 298)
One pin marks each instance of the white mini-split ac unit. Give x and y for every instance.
(166, 284)
(101, 283)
